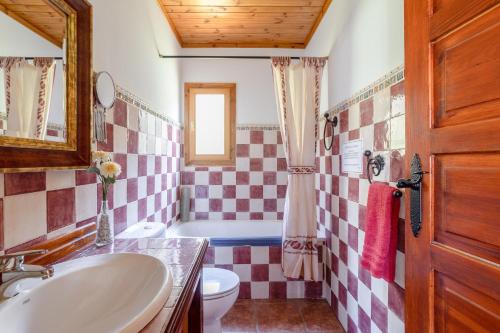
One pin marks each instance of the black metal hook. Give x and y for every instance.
(333, 123)
(374, 166)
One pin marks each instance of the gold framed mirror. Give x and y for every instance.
(45, 89)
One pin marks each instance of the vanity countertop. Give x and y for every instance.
(184, 258)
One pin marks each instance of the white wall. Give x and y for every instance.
(17, 40)
(127, 40)
(255, 99)
(255, 102)
(367, 46)
(364, 39)
(330, 27)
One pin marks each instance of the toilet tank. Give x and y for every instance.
(143, 230)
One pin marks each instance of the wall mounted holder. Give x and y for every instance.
(332, 123)
(374, 167)
(105, 97)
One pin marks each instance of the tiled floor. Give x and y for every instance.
(305, 316)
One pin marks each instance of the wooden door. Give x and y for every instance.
(453, 123)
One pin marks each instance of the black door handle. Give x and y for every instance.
(414, 183)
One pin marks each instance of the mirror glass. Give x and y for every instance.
(105, 90)
(32, 70)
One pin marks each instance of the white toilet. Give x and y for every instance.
(143, 230)
(220, 291)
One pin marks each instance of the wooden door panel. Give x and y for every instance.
(452, 55)
(450, 14)
(467, 72)
(457, 139)
(467, 204)
(460, 308)
(479, 274)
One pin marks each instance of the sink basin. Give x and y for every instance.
(104, 293)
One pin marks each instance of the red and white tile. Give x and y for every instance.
(21, 224)
(260, 273)
(252, 190)
(362, 303)
(59, 201)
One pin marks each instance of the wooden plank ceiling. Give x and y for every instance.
(40, 16)
(244, 23)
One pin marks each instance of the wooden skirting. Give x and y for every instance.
(64, 245)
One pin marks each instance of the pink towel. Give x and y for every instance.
(381, 232)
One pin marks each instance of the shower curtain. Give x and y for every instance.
(28, 91)
(298, 89)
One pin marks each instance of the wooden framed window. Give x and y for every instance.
(210, 123)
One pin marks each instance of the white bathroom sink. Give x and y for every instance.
(104, 293)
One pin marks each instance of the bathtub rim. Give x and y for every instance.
(242, 241)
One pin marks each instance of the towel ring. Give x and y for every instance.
(332, 123)
(374, 166)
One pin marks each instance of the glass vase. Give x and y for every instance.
(105, 227)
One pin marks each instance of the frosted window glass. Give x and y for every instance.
(209, 133)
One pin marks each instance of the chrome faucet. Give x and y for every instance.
(12, 269)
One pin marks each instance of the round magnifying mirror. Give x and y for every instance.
(105, 89)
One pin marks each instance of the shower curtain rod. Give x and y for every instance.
(216, 57)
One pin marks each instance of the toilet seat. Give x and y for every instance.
(219, 283)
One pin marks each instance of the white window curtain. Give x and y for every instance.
(298, 89)
(28, 89)
(47, 69)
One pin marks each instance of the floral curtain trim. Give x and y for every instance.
(317, 64)
(301, 170)
(306, 245)
(282, 64)
(6, 63)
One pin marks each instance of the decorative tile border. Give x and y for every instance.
(393, 77)
(56, 127)
(258, 127)
(130, 98)
(56, 131)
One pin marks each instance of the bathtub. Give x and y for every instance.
(251, 249)
(233, 233)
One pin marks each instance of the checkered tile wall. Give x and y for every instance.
(254, 189)
(147, 148)
(362, 303)
(259, 269)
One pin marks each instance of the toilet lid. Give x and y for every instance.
(217, 282)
